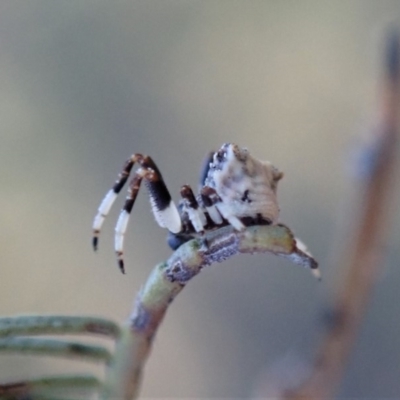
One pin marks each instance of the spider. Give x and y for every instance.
(235, 189)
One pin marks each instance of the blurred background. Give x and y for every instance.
(84, 84)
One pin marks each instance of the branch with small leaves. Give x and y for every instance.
(16, 337)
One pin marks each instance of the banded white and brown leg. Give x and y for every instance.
(109, 199)
(208, 195)
(164, 209)
(191, 207)
(193, 213)
(123, 218)
(210, 198)
(216, 208)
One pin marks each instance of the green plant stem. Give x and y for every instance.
(52, 347)
(57, 325)
(169, 278)
(40, 387)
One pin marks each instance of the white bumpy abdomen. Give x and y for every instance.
(247, 189)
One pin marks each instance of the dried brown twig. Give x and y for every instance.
(363, 258)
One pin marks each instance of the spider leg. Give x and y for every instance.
(210, 197)
(164, 209)
(232, 219)
(123, 219)
(192, 208)
(109, 199)
(216, 209)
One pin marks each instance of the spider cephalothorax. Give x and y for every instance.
(235, 188)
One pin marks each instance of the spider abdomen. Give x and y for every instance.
(245, 185)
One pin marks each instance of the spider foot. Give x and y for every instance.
(95, 240)
(121, 262)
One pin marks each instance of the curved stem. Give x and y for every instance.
(168, 279)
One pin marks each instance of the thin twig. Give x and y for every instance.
(169, 278)
(364, 255)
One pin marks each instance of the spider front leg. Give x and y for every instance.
(164, 209)
(123, 218)
(109, 199)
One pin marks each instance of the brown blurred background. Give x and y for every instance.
(84, 84)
